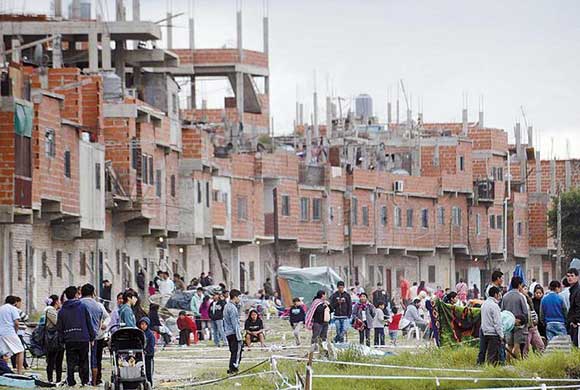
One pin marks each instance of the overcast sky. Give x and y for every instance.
(513, 53)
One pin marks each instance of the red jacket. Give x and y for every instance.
(186, 323)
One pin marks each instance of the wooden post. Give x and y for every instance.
(309, 371)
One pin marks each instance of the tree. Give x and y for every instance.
(570, 221)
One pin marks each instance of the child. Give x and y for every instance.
(394, 325)
(151, 289)
(254, 328)
(4, 367)
(186, 326)
(297, 316)
(379, 324)
(149, 348)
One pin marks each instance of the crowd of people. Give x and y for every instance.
(77, 324)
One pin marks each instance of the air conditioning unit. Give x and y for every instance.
(399, 186)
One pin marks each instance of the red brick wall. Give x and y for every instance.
(118, 133)
(73, 103)
(7, 164)
(335, 228)
(92, 100)
(172, 202)
(221, 56)
(519, 244)
(538, 224)
(488, 139)
(310, 232)
(49, 181)
(362, 234)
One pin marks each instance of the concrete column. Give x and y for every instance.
(169, 31)
(530, 136)
(315, 118)
(93, 51)
(193, 96)
(16, 50)
(240, 101)
(297, 120)
(266, 30)
(553, 177)
(568, 173)
(136, 10)
(538, 173)
(239, 35)
(119, 10)
(120, 62)
(328, 118)
(191, 34)
(106, 51)
(518, 137)
(58, 9)
(389, 114)
(480, 122)
(2, 51)
(464, 121)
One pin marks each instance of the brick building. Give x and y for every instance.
(103, 176)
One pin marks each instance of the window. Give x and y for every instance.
(304, 209)
(384, 215)
(144, 170)
(158, 183)
(461, 163)
(252, 270)
(98, 176)
(285, 205)
(172, 185)
(354, 211)
(492, 221)
(316, 209)
(216, 196)
(59, 264)
(499, 222)
(398, 217)
(409, 218)
(118, 261)
(198, 192)
(499, 174)
(431, 272)
(134, 153)
(331, 214)
(520, 229)
(44, 266)
(207, 194)
(494, 173)
(365, 215)
(20, 260)
(67, 163)
(175, 102)
(441, 215)
(151, 177)
(242, 208)
(456, 216)
(50, 142)
(83, 264)
(424, 218)
(478, 224)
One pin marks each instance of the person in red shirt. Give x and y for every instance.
(394, 325)
(186, 326)
(405, 290)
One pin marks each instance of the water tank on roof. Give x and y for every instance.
(112, 87)
(85, 9)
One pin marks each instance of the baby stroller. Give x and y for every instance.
(127, 360)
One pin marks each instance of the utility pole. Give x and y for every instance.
(276, 233)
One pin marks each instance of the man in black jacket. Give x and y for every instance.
(341, 305)
(76, 331)
(573, 318)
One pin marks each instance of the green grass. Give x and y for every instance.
(555, 365)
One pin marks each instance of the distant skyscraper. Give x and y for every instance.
(364, 106)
